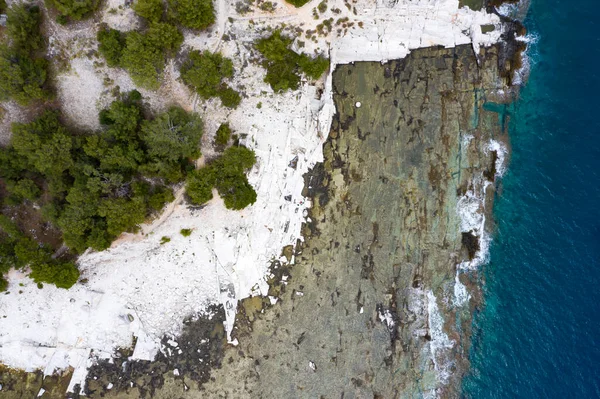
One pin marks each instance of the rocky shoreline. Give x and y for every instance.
(370, 309)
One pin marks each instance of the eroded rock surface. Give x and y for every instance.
(369, 310)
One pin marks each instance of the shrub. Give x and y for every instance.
(229, 97)
(23, 189)
(22, 74)
(193, 14)
(297, 3)
(186, 232)
(23, 27)
(62, 274)
(227, 175)
(164, 240)
(205, 71)
(3, 284)
(144, 54)
(284, 65)
(75, 9)
(152, 10)
(313, 67)
(111, 45)
(173, 135)
(199, 185)
(223, 134)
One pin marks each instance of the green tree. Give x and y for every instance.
(283, 65)
(21, 77)
(23, 27)
(313, 67)
(173, 135)
(23, 189)
(229, 97)
(194, 14)
(199, 185)
(75, 9)
(223, 134)
(144, 54)
(45, 143)
(122, 214)
(62, 274)
(152, 10)
(205, 71)
(111, 45)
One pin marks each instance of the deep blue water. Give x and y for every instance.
(538, 335)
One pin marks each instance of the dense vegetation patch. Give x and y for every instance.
(227, 175)
(74, 9)
(193, 14)
(223, 134)
(297, 3)
(284, 66)
(143, 55)
(94, 186)
(205, 73)
(23, 70)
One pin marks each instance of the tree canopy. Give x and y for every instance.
(205, 72)
(227, 175)
(152, 10)
(23, 73)
(284, 66)
(75, 9)
(92, 187)
(193, 14)
(143, 55)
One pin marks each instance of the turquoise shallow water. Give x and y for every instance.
(538, 335)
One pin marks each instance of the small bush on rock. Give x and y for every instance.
(284, 65)
(205, 72)
(193, 14)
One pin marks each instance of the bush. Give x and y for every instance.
(223, 134)
(95, 186)
(24, 189)
(23, 28)
(111, 45)
(205, 73)
(284, 65)
(314, 68)
(199, 185)
(75, 9)
(186, 232)
(297, 3)
(3, 284)
(173, 135)
(152, 10)
(229, 97)
(193, 14)
(227, 175)
(62, 274)
(23, 75)
(144, 54)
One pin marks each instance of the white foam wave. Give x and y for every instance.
(439, 340)
(461, 296)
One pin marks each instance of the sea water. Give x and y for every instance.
(538, 334)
